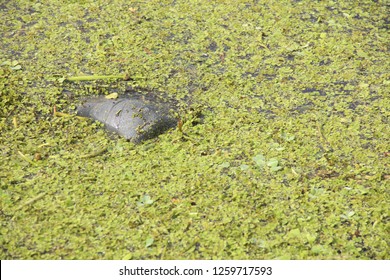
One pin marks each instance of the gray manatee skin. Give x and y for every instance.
(133, 118)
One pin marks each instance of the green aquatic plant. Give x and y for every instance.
(145, 200)
(282, 151)
(272, 163)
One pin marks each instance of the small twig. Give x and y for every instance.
(94, 78)
(321, 134)
(65, 115)
(25, 158)
(180, 125)
(95, 154)
(31, 201)
(15, 122)
(59, 114)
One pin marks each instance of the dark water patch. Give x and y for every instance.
(247, 56)
(290, 57)
(314, 91)
(269, 77)
(302, 109)
(355, 104)
(213, 46)
(268, 114)
(325, 62)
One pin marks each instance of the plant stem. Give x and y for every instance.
(94, 78)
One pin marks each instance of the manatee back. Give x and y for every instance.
(134, 119)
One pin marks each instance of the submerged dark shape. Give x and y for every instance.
(131, 117)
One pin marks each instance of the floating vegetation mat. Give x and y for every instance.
(281, 153)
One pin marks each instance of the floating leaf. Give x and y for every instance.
(294, 233)
(128, 256)
(149, 242)
(316, 192)
(273, 163)
(311, 237)
(348, 215)
(276, 168)
(288, 137)
(277, 147)
(17, 67)
(260, 160)
(244, 167)
(361, 53)
(362, 190)
(318, 249)
(145, 200)
(225, 165)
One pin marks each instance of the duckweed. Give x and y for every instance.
(302, 83)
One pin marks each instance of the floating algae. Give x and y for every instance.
(134, 118)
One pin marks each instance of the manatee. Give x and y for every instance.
(133, 118)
